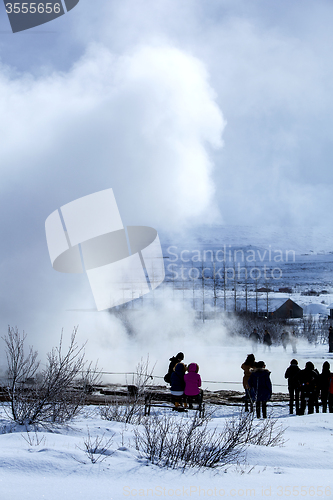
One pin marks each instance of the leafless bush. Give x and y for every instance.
(21, 368)
(131, 409)
(50, 395)
(143, 375)
(97, 449)
(90, 377)
(172, 442)
(266, 432)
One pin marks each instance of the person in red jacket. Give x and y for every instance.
(192, 384)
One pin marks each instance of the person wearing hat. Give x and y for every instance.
(173, 361)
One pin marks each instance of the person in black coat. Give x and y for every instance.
(330, 395)
(248, 366)
(173, 361)
(267, 340)
(317, 391)
(285, 340)
(255, 339)
(324, 384)
(177, 384)
(261, 388)
(293, 376)
(309, 386)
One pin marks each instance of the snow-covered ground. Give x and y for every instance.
(58, 468)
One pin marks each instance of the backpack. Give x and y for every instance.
(167, 378)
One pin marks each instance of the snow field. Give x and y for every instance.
(57, 468)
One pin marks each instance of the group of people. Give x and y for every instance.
(255, 339)
(286, 338)
(307, 386)
(185, 383)
(257, 385)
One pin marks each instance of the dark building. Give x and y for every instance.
(289, 309)
(276, 308)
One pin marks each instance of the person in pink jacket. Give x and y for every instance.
(192, 381)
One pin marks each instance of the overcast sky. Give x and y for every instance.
(192, 111)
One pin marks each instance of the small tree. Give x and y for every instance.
(21, 369)
(51, 395)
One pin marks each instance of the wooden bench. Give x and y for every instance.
(159, 400)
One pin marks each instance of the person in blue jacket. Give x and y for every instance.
(261, 388)
(177, 384)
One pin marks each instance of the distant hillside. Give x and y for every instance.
(303, 240)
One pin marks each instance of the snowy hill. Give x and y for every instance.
(312, 239)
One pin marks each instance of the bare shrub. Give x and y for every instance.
(172, 442)
(21, 368)
(97, 449)
(266, 432)
(50, 395)
(143, 375)
(181, 443)
(131, 409)
(90, 377)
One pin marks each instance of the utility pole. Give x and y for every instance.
(224, 287)
(235, 286)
